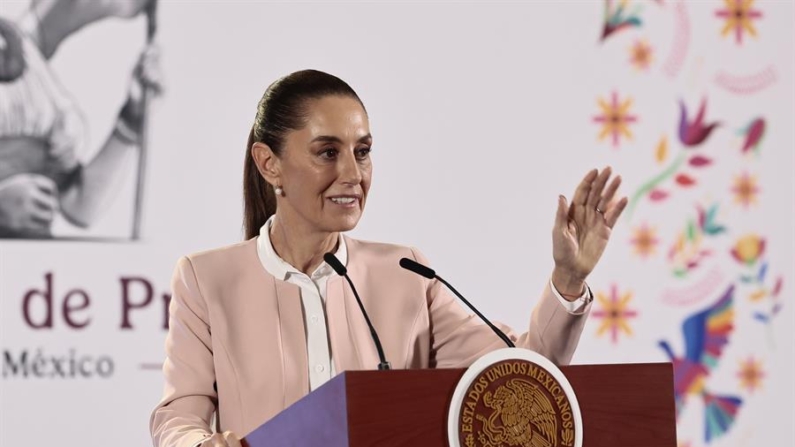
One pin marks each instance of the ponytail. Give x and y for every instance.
(259, 200)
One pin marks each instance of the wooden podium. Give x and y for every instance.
(622, 405)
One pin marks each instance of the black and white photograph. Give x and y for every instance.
(49, 172)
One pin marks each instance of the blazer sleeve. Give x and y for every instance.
(183, 416)
(458, 338)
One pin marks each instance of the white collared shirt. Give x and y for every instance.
(313, 299)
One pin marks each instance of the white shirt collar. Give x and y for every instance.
(280, 268)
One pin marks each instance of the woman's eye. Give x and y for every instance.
(363, 153)
(329, 153)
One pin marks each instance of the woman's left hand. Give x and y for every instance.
(582, 230)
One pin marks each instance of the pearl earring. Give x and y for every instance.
(278, 191)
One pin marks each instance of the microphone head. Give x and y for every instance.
(417, 268)
(335, 264)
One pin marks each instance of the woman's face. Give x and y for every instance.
(325, 168)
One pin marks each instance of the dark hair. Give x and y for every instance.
(283, 108)
(12, 55)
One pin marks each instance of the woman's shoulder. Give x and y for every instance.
(372, 251)
(227, 257)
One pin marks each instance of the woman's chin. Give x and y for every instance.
(344, 223)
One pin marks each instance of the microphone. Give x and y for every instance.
(342, 271)
(429, 273)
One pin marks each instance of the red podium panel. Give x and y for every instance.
(622, 405)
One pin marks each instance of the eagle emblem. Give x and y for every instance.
(522, 416)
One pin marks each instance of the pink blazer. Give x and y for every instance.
(236, 342)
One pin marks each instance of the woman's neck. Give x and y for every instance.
(300, 246)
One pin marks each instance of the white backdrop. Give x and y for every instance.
(481, 114)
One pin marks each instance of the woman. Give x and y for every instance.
(42, 129)
(257, 325)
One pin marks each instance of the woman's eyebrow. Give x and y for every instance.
(333, 139)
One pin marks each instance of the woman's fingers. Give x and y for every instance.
(150, 65)
(562, 215)
(44, 184)
(41, 218)
(231, 439)
(44, 194)
(607, 197)
(581, 193)
(614, 212)
(226, 439)
(146, 77)
(595, 194)
(148, 71)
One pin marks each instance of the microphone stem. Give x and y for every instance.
(493, 328)
(384, 365)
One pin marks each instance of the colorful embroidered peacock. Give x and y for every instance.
(706, 334)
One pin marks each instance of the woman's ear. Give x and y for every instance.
(268, 164)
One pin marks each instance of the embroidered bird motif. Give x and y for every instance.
(706, 334)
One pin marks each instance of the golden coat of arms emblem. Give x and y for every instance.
(516, 403)
(521, 416)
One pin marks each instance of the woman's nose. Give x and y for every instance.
(350, 171)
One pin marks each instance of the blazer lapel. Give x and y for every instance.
(343, 348)
(351, 340)
(293, 342)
